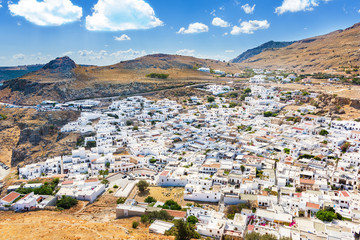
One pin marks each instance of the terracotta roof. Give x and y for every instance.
(300, 129)
(164, 173)
(306, 181)
(91, 180)
(251, 227)
(312, 205)
(67, 182)
(11, 197)
(345, 193)
(177, 214)
(356, 132)
(298, 194)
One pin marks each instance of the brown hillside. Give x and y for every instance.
(330, 51)
(63, 80)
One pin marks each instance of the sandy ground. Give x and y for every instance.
(56, 225)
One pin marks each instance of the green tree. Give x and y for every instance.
(171, 204)
(323, 132)
(326, 216)
(210, 99)
(192, 219)
(184, 230)
(121, 200)
(287, 150)
(66, 202)
(247, 90)
(142, 186)
(242, 168)
(150, 199)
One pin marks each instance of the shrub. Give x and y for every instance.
(161, 215)
(115, 186)
(323, 132)
(157, 75)
(150, 199)
(66, 202)
(120, 200)
(210, 99)
(287, 150)
(171, 204)
(135, 224)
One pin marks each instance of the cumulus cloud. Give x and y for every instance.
(47, 12)
(186, 52)
(359, 11)
(69, 53)
(248, 9)
(104, 57)
(19, 56)
(0, 4)
(229, 51)
(219, 22)
(250, 27)
(297, 6)
(194, 28)
(123, 37)
(114, 15)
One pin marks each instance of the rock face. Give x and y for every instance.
(60, 65)
(29, 136)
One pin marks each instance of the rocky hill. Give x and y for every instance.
(63, 80)
(255, 51)
(331, 51)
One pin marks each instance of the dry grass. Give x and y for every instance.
(56, 225)
(330, 51)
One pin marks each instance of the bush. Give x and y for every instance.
(115, 186)
(120, 200)
(160, 215)
(142, 185)
(171, 204)
(3, 117)
(157, 75)
(247, 90)
(185, 231)
(326, 216)
(192, 219)
(150, 199)
(210, 99)
(287, 150)
(135, 224)
(323, 132)
(66, 202)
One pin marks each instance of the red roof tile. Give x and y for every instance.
(11, 197)
(312, 205)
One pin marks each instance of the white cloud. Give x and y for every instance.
(19, 56)
(248, 9)
(104, 57)
(186, 52)
(359, 11)
(194, 28)
(123, 37)
(229, 51)
(219, 22)
(297, 5)
(114, 15)
(0, 4)
(250, 27)
(69, 53)
(47, 12)
(213, 13)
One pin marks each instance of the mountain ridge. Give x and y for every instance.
(259, 49)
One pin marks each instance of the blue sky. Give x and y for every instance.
(105, 32)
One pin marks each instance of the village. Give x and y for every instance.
(242, 166)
